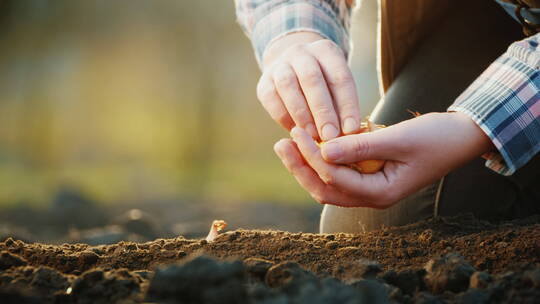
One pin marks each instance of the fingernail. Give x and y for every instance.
(349, 125)
(311, 129)
(329, 132)
(332, 151)
(276, 148)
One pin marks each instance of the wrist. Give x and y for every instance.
(475, 139)
(278, 46)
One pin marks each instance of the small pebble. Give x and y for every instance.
(88, 258)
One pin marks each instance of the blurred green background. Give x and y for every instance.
(139, 100)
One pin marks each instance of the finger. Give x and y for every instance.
(386, 144)
(340, 81)
(367, 187)
(317, 95)
(285, 80)
(272, 103)
(293, 161)
(309, 180)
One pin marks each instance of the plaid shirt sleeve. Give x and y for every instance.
(505, 102)
(264, 21)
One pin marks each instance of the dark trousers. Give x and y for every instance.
(460, 48)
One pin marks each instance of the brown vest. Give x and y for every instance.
(403, 24)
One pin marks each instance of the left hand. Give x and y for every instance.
(417, 152)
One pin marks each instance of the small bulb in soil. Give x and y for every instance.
(372, 165)
(216, 227)
(135, 214)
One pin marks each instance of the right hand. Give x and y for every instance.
(306, 82)
(417, 151)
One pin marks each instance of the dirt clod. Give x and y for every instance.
(355, 270)
(257, 268)
(99, 286)
(88, 258)
(8, 260)
(201, 280)
(408, 281)
(284, 273)
(450, 272)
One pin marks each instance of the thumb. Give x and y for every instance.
(353, 148)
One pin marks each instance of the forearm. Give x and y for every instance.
(474, 141)
(504, 102)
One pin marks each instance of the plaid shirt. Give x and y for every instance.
(504, 101)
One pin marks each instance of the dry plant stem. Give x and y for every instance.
(414, 113)
(216, 227)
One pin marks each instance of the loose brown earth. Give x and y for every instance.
(454, 260)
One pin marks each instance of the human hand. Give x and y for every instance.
(306, 82)
(418, 152)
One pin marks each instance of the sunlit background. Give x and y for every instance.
(143, 104)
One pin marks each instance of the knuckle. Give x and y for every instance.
(285, 79)
(349, 107)
(311, 77)
(329, 47)
(323, 111)
(360, 148)
(265, 91)
(327, 44)
(341, 78)
(301, 114)
(295, 49)
(298, 47)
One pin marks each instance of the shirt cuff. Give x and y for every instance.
(505, 102)
(274, 19)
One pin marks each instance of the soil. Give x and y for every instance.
(442, 260)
